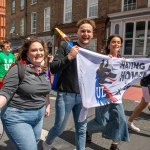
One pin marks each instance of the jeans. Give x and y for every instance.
(23, 127)
(111, 121)
(65, 103)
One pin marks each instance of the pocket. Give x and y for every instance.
(10, 112)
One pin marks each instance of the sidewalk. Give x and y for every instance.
(133, 93)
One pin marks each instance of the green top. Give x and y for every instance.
(5, 62)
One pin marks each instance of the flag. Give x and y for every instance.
(103, 80)
(65, 37)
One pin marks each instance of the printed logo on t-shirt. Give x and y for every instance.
(7, 63)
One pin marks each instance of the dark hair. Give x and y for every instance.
(5, 42)
(88, 21)
(109, 40)
(26, 46)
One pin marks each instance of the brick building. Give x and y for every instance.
(130, 19)
(2, 19)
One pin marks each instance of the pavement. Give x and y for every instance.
(138, 141)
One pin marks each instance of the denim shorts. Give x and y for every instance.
(146, 93)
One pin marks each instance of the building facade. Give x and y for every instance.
(129, 19)
(132, 22)
(2, 19)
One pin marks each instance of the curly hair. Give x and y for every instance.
(26, 46)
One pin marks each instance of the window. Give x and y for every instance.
(12, 30)
(33, 1)
(33, 22)
(92, 9)
(13, 7)
(117, 29)
(47, 19)
(67, 11)
(129, 5)
(22, 27)
(21, 4)
(137, 38)
(148, 3)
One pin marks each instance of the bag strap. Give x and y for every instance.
(21, 71)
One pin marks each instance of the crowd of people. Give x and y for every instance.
(20, 99)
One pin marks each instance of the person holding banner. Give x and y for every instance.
(68, 94)
(110, 119)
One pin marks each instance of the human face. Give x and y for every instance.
(85, 34)
(6, 48)
(115, 45)
(36, 53)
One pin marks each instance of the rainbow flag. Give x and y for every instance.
(65, 37)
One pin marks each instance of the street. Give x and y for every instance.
(138, 141)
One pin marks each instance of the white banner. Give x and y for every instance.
(103, 80)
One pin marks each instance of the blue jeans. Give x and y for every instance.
(111, 121)
(65, 103)
(23, 127)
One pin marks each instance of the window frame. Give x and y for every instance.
(33, 30)
(13, 9)
(88, 9)
(145, 39)
(123, 5)
(22, 4)
(46, 19)
(67, 12)
(22, 23)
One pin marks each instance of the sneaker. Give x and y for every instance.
(46, 146)
(132, 127)
(88, 138)
(114, 147)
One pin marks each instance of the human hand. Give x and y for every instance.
(47, 110)
(50, 58)
(73, 52)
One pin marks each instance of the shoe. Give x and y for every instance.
(114, 147)
(46, 146)
(88, 138)
(132, 127)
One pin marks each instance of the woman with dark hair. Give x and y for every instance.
(26, 102)
(110, 119)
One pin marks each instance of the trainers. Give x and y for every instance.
(131, 126)
(46, 146)
(88, 138)
(114, 147)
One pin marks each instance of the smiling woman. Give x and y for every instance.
(30, 96)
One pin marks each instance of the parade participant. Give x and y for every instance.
(25, 101)
(145, 83)
(110, 119)
(6, 59)
(68, 95)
